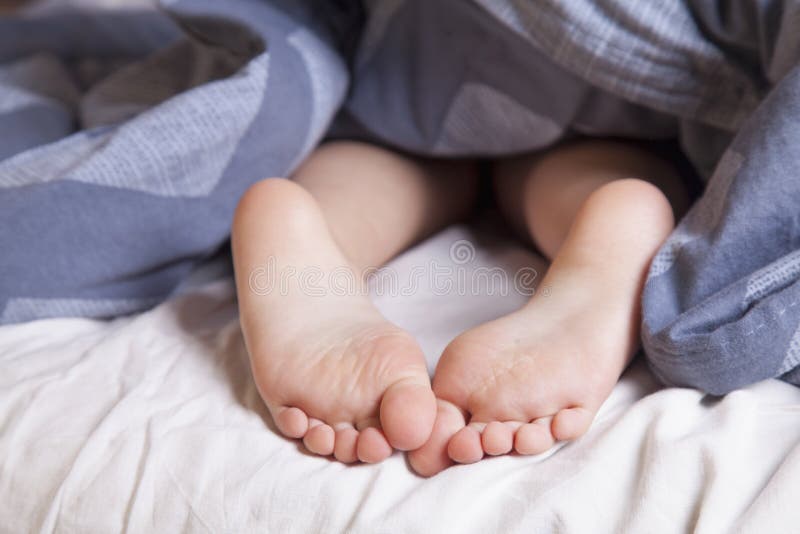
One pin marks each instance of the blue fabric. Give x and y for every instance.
(722, 302)
(128, 138)
(132, 136)
(721, 306)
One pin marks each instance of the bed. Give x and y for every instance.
(151, 423)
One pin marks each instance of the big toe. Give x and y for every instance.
(432, 456)
(408, 411)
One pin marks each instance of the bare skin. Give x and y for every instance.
(521, 382)
(331, 370)
(336, 374)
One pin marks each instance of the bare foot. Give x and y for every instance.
(332, 371)
(349, 384)
(540, 374)
(528, 379)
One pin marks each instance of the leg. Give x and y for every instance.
(600, 210)
(330, 368)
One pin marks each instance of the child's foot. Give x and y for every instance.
(347, 382)
(540, 374)
(329, 367)
(530, 378)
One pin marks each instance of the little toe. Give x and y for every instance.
(408, 411)
(320, 438)
(344, 447)
(432, 457)
(534, 438)
(497, 438)
(292, 422)
(465, 447)
(372, 446)
(571, 423)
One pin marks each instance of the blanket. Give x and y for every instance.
(132, 135)
(129, 137)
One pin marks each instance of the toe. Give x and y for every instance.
(534, 438)
(408, 410)
(292, 422)
(465, 447)
(344, 447)
(320, 438)
(497, 438)
(372, 446)
(571, 423)
(432, 456)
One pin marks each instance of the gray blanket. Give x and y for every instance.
(128, 138)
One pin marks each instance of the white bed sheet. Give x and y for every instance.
(152, 424)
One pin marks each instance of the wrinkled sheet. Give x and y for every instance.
(151, 423)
